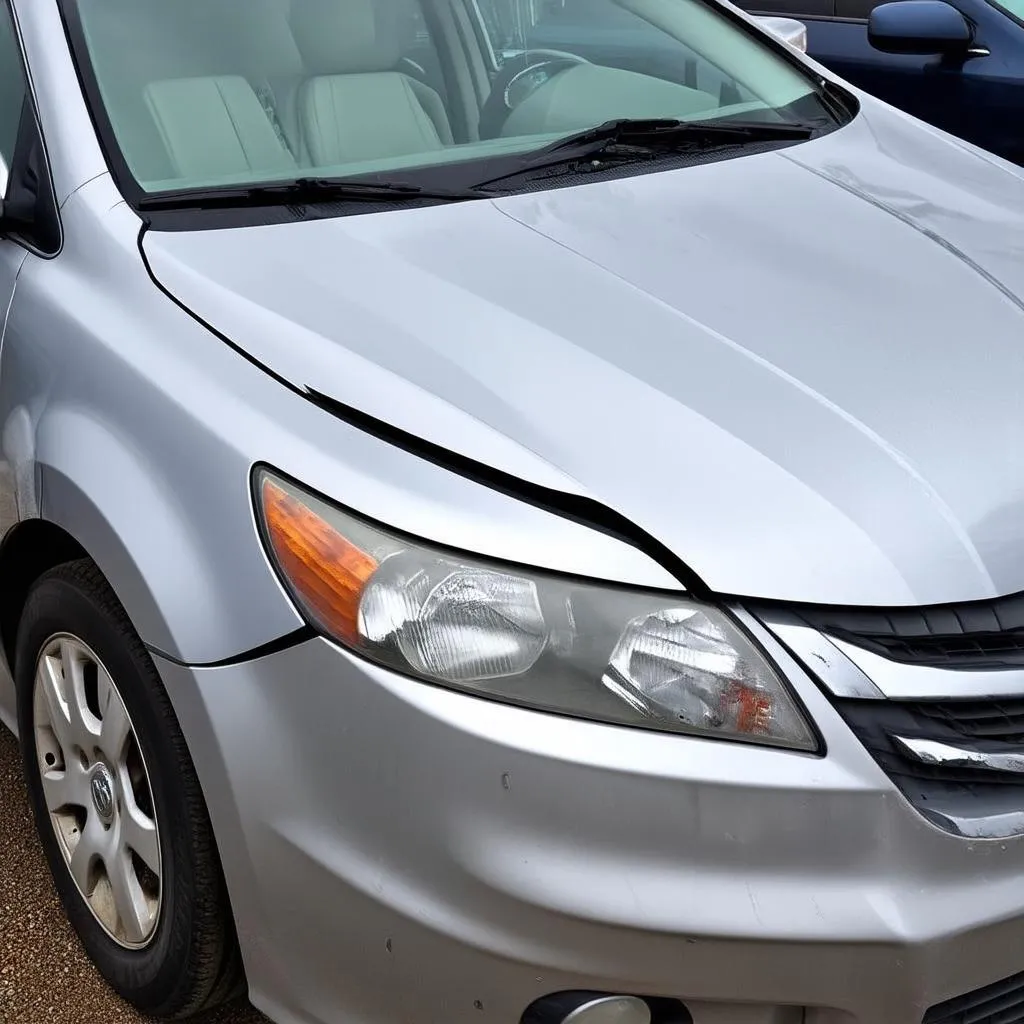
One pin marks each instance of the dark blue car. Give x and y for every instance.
(958, 65)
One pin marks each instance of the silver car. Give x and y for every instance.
(508, 537)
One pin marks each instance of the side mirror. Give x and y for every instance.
(17, 205)
(5, 182)
(789, 30)
(921, 27)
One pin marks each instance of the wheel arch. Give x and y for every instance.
(168, 519)
(30, 548)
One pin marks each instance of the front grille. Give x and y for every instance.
(1001, 1003)
(945, 781)
(943, 793)
(941, 790)
(998, 719)
(960, 762)
(976, 634)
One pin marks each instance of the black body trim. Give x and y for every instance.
(1002, 1002)
(282, 643)
(987, 634)
(584, 511)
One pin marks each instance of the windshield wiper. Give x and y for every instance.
(303, 191)
(629, 139)
(623, 140)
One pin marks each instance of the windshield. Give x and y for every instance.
(207, 93)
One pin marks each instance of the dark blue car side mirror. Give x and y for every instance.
(920, 27)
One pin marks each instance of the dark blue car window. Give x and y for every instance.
(1015, 8)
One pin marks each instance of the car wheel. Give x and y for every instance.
(117, 803)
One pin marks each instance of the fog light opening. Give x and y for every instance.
(605, 1008)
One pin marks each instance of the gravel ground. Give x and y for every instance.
(45, 977)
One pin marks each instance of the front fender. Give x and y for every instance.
(163, 567)
(127, 425)
(142, 428)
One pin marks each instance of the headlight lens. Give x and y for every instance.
(552, 643)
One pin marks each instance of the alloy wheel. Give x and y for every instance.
(97, 790)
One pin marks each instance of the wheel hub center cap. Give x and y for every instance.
(101, 787)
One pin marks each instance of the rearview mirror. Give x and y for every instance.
(919, 27)
(789, 30)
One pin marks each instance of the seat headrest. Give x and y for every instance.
(346, 36)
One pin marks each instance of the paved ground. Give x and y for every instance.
(44, 975)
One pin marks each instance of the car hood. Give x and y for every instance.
(802, 371)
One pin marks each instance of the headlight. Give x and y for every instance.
(557, 644)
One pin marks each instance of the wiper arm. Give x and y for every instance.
(628, 139)
(303, 191)
(670, 133)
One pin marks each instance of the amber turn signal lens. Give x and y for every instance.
(327, 571)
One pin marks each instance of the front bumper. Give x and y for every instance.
(400, 853)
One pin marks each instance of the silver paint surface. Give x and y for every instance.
(780, 366)
(800, 372)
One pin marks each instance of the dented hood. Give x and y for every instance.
(803, 371)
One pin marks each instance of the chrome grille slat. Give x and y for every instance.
(964, 772)
(946, 755)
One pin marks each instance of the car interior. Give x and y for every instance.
(199, 91)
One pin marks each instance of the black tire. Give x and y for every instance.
(191, 962)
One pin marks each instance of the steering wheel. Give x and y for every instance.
(520, 77)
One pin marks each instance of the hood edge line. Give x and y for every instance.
(576, 508)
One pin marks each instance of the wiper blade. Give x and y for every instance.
(303, 191)
(669, 132)
(628, 139)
